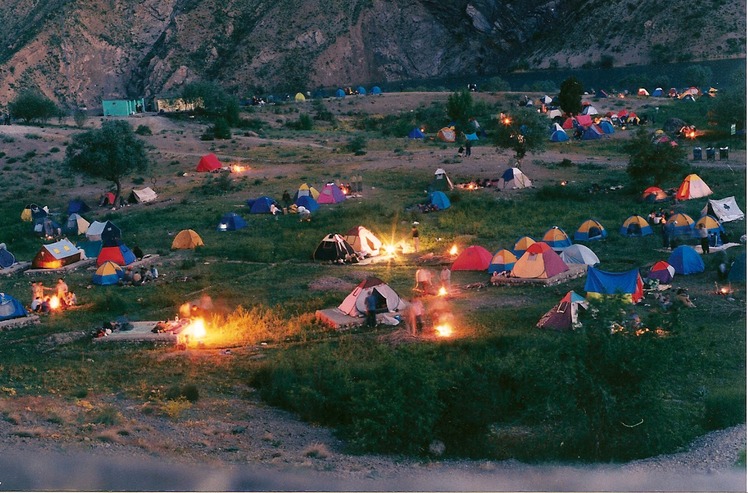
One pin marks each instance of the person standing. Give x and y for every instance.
(371, 309)
(62, 290)
(468, 148)
(415, 234)
(703, 238)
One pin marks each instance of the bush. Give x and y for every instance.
(724, 408)
(143, 130)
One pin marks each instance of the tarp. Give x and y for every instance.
(474, 257)
(387, 298)
(539, 262)
(502, 261)
(107, 274)
(556, 238)
(635, 226)
(564, 315)
(579, 254)
(725, 210)
(334, 248)
(627, 283)
(685, 260)
(56, 255)
(10, 307)
(209, 163)
(231, 221)
(590, 229)
(186, 239)
(692, 187)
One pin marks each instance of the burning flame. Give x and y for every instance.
(443, 330)
(442, 291)
(238, 168)
(54, 303)
(390, 249)
(506, 120)
(453, 250)
(197, 329)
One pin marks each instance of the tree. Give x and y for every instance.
(31, 105)
(698, 75)
(730, 105)
(652, 162)
(524, 131)
(111, 152)
(570, 96)
(460, 110)
(212, 100)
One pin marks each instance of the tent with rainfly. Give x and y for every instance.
(186, 239)
(654, 194)
(474, 257)
(579, 254)
(208, 163)
(565, 315)
(685, 260)
(120, 254)
(363, 241)
(32, 212)
(680, 224)
(692, 187)
(590, 229)
(662, 271)
(502, 261)
(539, 262)
(725, 210)
(334, 248)
(11, 308)
(388, 300)
(515, 178)
(556, 238)
(601, 283)
(635, 226)
(330, 194)
(521, 245)
(107, 274)
(231, 221)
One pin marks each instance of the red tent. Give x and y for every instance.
(208, 163)
(473, 258)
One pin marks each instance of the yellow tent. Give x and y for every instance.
(186, 239)
(299, 98)
(305, 189)
(446, 134)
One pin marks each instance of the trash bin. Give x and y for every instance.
(724, 152)
(697, 153)
(710, 153)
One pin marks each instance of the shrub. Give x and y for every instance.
(143, 130)
(724, 408)
(188, 392)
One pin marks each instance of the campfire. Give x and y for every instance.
(723, 290)
(54, 303)
(454, 250)
(239, 168)
(442, 291)
(443, 330)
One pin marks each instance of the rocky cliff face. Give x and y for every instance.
(80, 51)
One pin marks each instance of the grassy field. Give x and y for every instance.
(498, 388)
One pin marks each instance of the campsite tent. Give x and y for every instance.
(90, 249)
(304, 190)
(515, 178)
(472, 137)
(260, 205)
(308, 202)
(539, 262)
(658, 92)
(186, 239)
(439, 200)
(629, 284)
(76, 225)
(107, 274)
(635, 226)
(299, 98)
(209, 163)
(46, 226)
(662, 271)
(725, 210)
(502, 261)
(231, 221)
(713, 227)
(388, 300)
(474, 257)
(685, 260)
(446, 134)
(361, 90)
(556, 238)
(56, 255)
(591, 133)
(107, 232)
(416, 133)
(521, 245)
(579, 254)
(119, 254)
(591, 229)
(77, 206)
(642, 92)
(607, 127)
(441, 181)
(654, 194)
(32, 212)
(565, 314)
(334, 248)
(376, 90)
(682, 224)
(10, 307)
(7, 259)
(340, 93)
(559, 136)
(692, 187)
(330, 194)
(363, 241)
(142, 195)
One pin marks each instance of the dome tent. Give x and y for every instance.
(685, 260)
(635, 226)
(539, 262)
(186, 239)
(107, 274)
(590, 229)
(231, 221)
(474, 257)
(502, 261)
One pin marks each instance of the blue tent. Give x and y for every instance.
(361, 90)
(340, 93)
(260, 205)
(307, 201)
(7, 259)
(607, 127)
(77, 206)
(376, 90)
(685, 260)
(472, 136)
(658, 93)
(439, 200)
(600, 282)
(559, 136)
(231, 222)
(590, 134)
(91, 247)
(10, 307)
(416, 134)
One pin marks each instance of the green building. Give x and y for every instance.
(122, 107)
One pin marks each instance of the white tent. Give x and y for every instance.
(76, 224)
(515, 178)
(579, 254)
(387, 299)
(363, 241)
(143, 195)
(555, 113)
(725, 210)
(589, 110)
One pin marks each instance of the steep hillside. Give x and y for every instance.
(78, 52)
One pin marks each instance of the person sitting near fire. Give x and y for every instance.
(46, 305)
(70, 299)
(36, 304)
(683, 297)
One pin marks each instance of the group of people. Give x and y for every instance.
(42, 302)
(134, 277)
